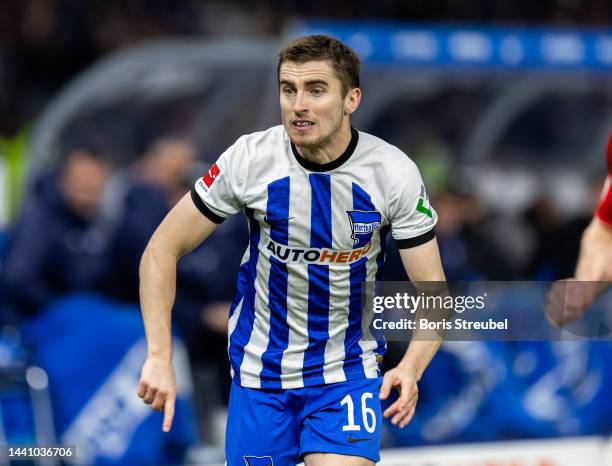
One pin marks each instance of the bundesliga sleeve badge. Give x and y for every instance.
(213, 173)
(423, 205)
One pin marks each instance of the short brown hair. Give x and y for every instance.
(344, 60)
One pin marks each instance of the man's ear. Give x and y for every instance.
(352, 100)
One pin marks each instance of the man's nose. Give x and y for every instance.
(299, 104)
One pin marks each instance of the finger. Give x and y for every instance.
(142, 389)
(403, 417)
(158, 402)
(168, 413)
(553, 298)
(580, 296)
(404, 422)
(554, 310)
(554, 302)
(575, 300)
(558, 302)
(400, 415)
(588, 293)
(150, 395)
(394, 408)
(386, 387)
(404, 393)
(397, 407)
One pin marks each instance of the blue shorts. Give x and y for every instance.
(278, 427)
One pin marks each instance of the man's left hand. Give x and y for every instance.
(402, 410)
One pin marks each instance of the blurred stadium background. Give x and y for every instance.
(110, 110)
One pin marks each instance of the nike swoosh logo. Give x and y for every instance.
(351, 439)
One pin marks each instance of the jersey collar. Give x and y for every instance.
(324, 167)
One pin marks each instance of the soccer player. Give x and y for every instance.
(568, 300)
(320, 198)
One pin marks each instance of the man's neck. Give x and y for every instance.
(330, 151)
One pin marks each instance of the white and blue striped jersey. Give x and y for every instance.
(317, 233)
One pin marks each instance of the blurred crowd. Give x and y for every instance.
(62, 243)
(503, 235)
(44, 43)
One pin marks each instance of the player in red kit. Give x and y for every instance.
(594, 262)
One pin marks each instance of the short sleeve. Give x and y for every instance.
(604, 211)
(219, 193)
(411, 215)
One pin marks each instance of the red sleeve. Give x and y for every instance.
(610, 155)
(604, 211)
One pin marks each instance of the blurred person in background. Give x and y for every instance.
(547, 259)
(55, 247)
(58, 258)
(469, 246)
(156, 181)
(568, 299)
(557, 239)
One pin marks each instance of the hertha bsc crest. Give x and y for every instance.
(363, 225)
(258, 461)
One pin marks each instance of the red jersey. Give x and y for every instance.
(604, 211)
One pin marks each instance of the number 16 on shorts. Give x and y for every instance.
(368, 415)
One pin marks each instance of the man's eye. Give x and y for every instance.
(317, 91)
(288, 90)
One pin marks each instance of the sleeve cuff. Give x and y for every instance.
(416, 241)
(209, 214)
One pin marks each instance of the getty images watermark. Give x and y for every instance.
(424, 304)
(513, 311)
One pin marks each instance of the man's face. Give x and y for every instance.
(171, 160)
(312, 106)
(83, 182)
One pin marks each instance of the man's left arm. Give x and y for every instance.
(422, 263)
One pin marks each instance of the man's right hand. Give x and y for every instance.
(157, 387)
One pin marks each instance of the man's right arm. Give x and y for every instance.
(182, 230)
(569, 299)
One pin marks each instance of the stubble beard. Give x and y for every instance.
(325, 139)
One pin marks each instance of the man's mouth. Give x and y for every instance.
(303, 124)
